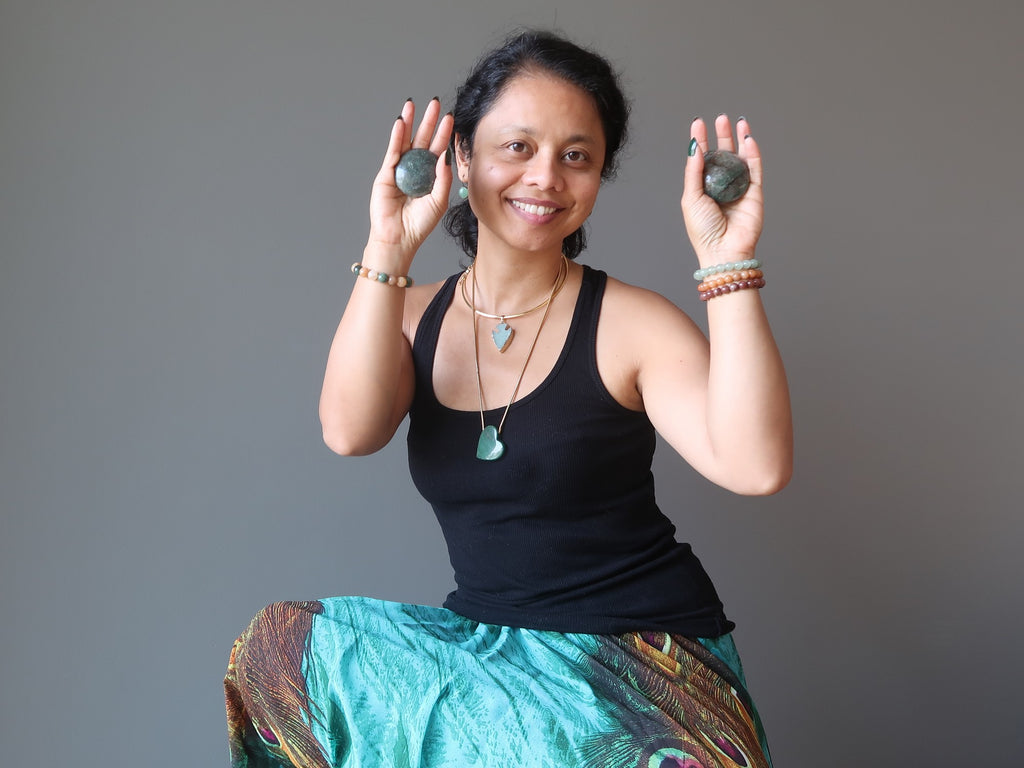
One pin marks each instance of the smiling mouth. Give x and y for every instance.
(535, 210)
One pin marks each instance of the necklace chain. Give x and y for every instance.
(476, 344)
(563, 273)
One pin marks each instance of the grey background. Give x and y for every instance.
(182, 188)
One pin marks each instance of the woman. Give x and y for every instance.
(581, 633)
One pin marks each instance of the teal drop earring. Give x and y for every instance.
(463, 191)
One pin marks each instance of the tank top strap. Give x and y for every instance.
(589, 312)
(427, 332)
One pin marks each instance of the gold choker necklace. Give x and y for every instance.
(489, 446)
(502, 333)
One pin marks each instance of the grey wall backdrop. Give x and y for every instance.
(182, 188)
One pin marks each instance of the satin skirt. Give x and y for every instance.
(362, 683)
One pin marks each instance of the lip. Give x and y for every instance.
(534, 216)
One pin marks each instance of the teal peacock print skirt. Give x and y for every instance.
(362, 683)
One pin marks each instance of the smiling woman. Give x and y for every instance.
(533, 166)
(581, 633)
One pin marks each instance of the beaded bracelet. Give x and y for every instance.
(729, 266)
(729, 277)
(381, 277)
(757, 282)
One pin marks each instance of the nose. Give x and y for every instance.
(544, 172)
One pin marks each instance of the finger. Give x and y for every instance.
(723, 133)
(426, 129)
(442, 178)
(693, 173)
(396, 145)
(750, 151)
(699, 131)
(439, 144)
(408, 114)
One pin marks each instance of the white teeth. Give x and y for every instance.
(536, 210)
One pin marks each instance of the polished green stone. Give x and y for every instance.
(489, 447)
(414, 173)
(726, 176)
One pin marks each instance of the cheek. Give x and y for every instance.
(589, 194)
(492, 177)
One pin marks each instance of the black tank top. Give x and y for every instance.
(562, 532)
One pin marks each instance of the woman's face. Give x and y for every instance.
(536, 164)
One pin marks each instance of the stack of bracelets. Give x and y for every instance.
(381, 277)
(728, 277)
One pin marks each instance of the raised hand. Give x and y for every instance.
(723, 232)
(397, 221)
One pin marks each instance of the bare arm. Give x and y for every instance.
(368, 384)
(723, 403)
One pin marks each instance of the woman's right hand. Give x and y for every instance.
(399, 224)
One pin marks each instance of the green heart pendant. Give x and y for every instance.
(489, 447)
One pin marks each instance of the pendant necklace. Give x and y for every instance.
(489, 446)
(502, 332)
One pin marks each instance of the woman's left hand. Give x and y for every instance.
(726, 231)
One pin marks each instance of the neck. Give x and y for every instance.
(514, 282)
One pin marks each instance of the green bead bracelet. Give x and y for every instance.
(381, 277)
(729, 266)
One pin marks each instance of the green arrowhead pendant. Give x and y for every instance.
(489, 447)
(502, 335)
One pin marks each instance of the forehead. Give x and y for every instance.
(538, 101)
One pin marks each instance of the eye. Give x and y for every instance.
(517, 146)
(576, 156)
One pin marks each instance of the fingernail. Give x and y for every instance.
(448, 156)
(435, 99)
(741, 117)
(693, 148)
(409, 99)
(400, 117)
(747, 136)
(695, 119)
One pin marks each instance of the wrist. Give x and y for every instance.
(385, 257)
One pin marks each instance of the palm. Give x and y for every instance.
(729, 231)
(395, 218)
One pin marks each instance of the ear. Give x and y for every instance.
(461, 158)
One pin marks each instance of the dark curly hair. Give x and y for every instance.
(535, 50)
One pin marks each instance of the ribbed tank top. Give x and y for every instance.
(562, 532)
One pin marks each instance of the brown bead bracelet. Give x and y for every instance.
(731, 277)
(739, 285)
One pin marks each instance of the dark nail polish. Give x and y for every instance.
(747, 136)
(448, 157)
(693, 148)
(695, 119)
(435, 99)
(741, 117)
(409, 99)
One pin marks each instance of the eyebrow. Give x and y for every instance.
(576, 137)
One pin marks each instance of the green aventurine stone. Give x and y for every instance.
(414, 173)
(726, 176)
(489, 447)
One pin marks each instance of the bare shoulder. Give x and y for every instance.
(638, 330)
(640, 310)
